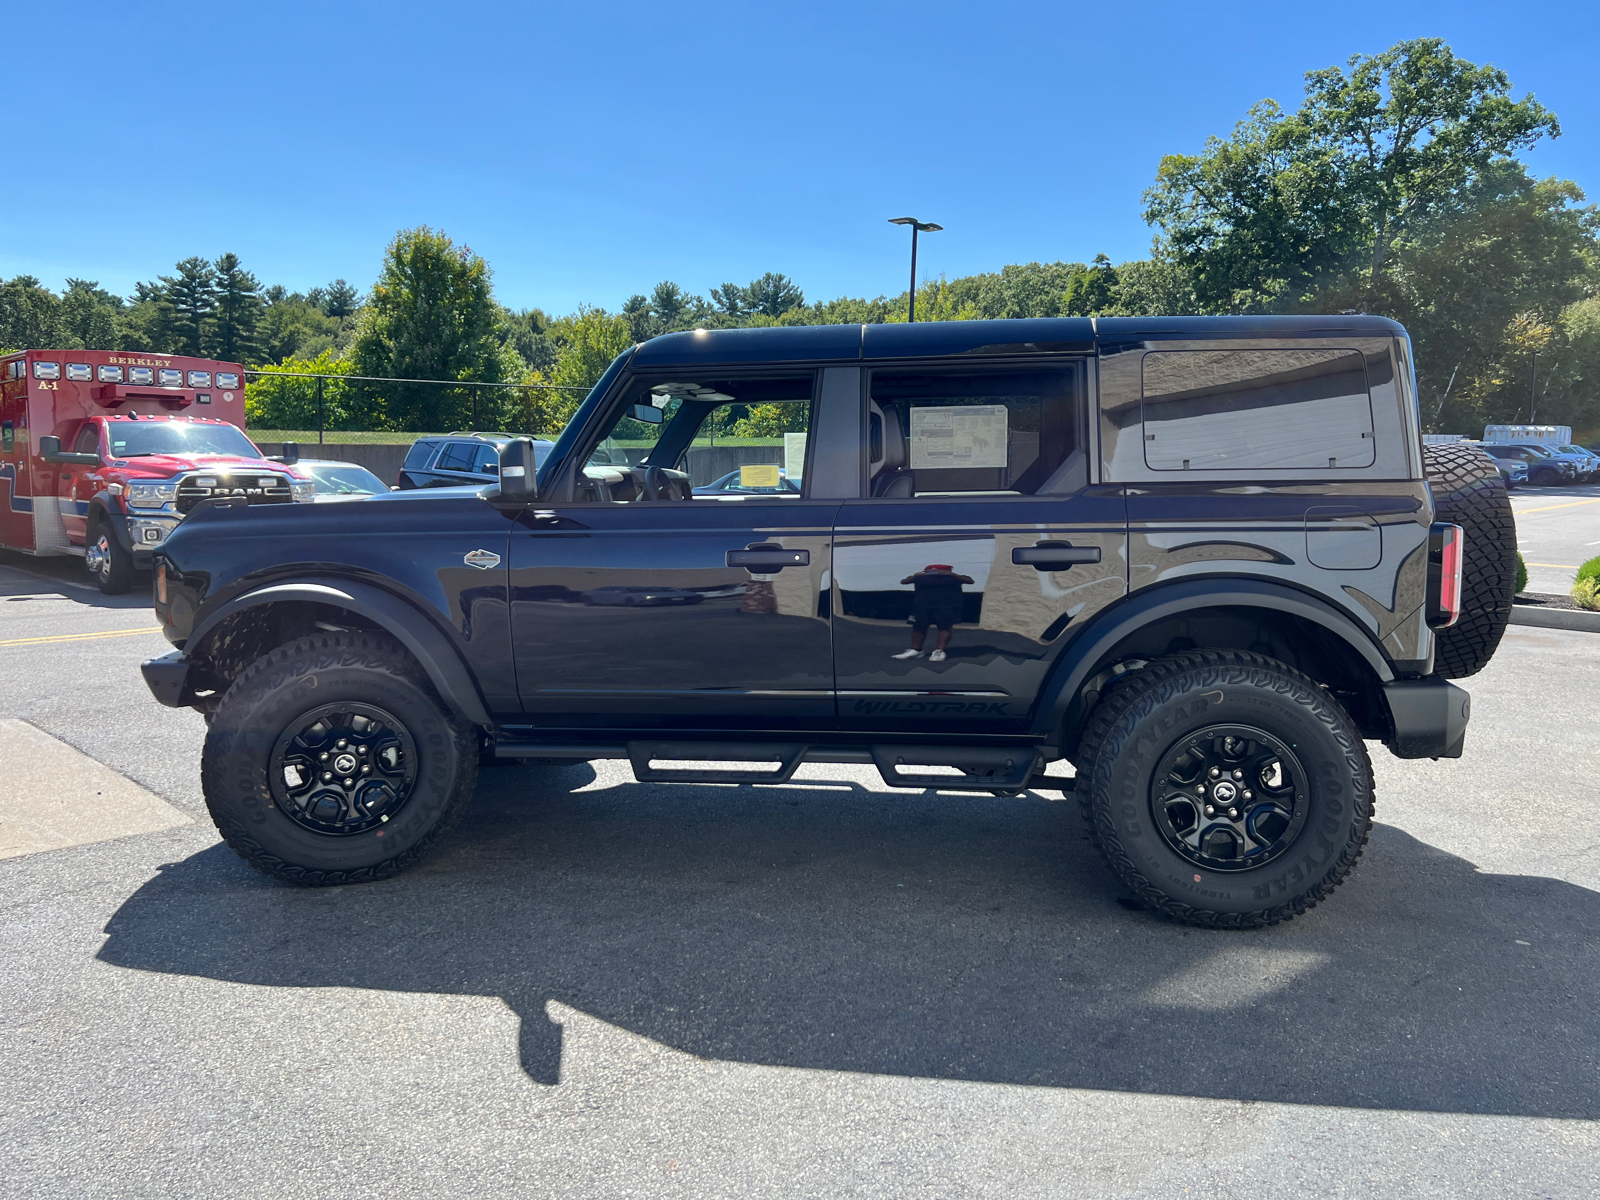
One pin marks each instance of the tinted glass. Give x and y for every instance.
(489, 456)
(88, 441)
(342, 480)
(457, 456)
(996, 430)
(417, 457)
(1256, 410)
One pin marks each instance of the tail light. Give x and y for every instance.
(1446, 550)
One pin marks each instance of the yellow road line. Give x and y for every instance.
(1563, 566)
(79, 637)
(1522, 512)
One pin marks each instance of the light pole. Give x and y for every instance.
(916, 228)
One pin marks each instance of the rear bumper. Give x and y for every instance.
(1429, 717)
(167, 678)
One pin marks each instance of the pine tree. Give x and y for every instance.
(188, 305)
(238, 309)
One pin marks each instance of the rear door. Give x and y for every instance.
(983, 546)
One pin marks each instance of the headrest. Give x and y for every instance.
(894, 440)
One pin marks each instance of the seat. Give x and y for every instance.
(895, 480)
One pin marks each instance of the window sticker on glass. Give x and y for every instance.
(762, 475)
(972, 435)
(794, 455)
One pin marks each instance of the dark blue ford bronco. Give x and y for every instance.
(1204, 560)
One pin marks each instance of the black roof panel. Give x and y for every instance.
(783, 343)
(1124, 329)
(1028, 336)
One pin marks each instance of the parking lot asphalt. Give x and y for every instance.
(1558, 529)
(829, 988)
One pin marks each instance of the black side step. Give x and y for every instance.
(788, 755)
(988, 768)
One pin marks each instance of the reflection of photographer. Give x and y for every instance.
(937, 602)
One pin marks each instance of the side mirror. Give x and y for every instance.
(518, 471)
(648, 413)
(290, 455)
(50, 450)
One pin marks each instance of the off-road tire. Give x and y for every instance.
(1468, 491)
(269, 696)
(1158, 707)
(116, 576)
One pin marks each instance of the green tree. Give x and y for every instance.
(586, 343)
(1092, 290)
(431, 315)
(188, 302)
(291, 326)
(236, 313)
(89, 316)
(275, 400)
(1292, 204)
(30, 315)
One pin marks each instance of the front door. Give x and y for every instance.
(681, 580)
(983, 545)
(77, 484)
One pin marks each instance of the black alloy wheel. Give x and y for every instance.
(343, 768)
(1229, 797)
(331, 760)
(1225, 788)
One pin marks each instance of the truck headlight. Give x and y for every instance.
(152, 495)
(304, 490)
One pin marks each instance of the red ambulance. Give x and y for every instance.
(103, 452)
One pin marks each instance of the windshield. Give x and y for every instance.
(344, 480)
(130, 440)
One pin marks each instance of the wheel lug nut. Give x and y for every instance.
(1247, 795)
(1238, 774)
(1201, 790)
(348, 782)
(342, 743)
(1215, 772)
(365, 768)
(326, 776)
(361, 749)
(323, 756)
(1234, 813)
(1210, 812)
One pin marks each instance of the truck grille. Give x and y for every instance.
(255, 487)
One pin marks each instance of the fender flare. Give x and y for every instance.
(1073, 667)
(106, 503)
(411, 627)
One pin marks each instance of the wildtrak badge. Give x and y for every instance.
(482, 559)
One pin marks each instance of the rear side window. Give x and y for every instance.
(996, 431)
(417, 457)
(1244, 410)
(486, 457)
(457, 456)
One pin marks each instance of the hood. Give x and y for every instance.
(164, 465)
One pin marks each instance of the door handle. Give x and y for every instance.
(1054, 556)
(764, 558)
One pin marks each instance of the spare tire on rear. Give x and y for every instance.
(1468, 491)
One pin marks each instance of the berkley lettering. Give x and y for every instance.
(139, 362)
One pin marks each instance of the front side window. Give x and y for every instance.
(704, 439)
(88, 441)
(1245, 410)
(997, 431)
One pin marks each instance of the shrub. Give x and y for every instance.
(1586, 593)
(1522, 574)
(1590, 569)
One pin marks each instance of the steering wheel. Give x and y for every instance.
(656, 484)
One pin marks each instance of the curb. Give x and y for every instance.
(1555, 618)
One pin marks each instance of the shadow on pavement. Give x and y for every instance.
(830, 927)
(24, 577)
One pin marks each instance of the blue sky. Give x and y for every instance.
(590, 150)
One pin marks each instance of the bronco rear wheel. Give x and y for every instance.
(1226, 789)
(1468, 491)
(331, 760)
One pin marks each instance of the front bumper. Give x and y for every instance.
(1429, 717)
(167, 678)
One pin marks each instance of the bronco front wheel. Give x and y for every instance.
(1226, 789)
(331, 761)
